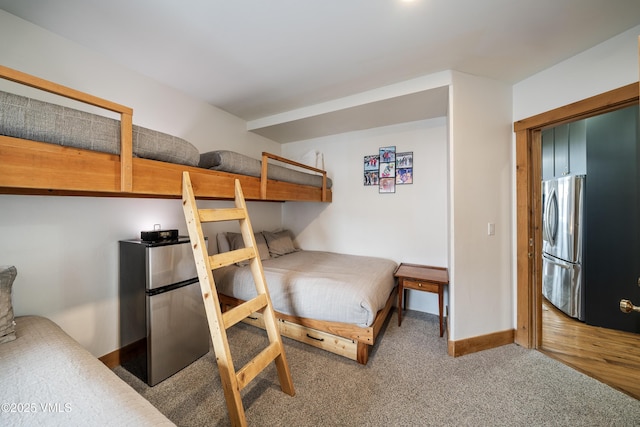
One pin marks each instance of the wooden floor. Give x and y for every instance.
(610, 356)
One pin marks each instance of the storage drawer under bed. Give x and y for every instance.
(323, 340)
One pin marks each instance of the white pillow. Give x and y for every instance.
(7, 324)
(223, 243)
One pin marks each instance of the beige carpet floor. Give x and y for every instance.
(409, 381)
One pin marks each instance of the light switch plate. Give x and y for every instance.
(491, 229)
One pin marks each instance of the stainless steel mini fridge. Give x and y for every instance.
(163, 325)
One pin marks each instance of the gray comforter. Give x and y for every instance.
(48, 379)
(318, 285)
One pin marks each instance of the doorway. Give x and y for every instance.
(528, 223)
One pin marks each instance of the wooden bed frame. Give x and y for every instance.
(351, 341)
(37, 168)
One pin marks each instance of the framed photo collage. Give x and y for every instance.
(387, 169)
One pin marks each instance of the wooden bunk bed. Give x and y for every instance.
(30, 167)
(41, 168)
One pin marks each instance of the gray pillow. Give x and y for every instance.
(237, 242)
(279, 243)
(7, 324)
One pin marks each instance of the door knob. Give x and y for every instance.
(627, 306)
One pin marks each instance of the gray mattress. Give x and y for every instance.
(230, 161)
(318, 285)
(28, 118)
(48, 379)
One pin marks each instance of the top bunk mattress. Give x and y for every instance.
(28, 118)
(232, 162)
(317, 285)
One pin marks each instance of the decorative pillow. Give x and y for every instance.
(237, 242)
(223, 243)
(7, 324)
(279, 243)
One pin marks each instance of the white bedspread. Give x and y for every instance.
(48, 379)
(318, 285)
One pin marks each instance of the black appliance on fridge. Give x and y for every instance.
(163, 325)
(563, 273)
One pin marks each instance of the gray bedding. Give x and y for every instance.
(48, 379)
(318, 285)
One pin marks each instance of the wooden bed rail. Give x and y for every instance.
(126, 116)
(263, 173)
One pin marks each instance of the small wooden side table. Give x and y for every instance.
(421, 278)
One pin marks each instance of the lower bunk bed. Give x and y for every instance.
(332, 301)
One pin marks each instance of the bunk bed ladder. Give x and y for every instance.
(233, 382)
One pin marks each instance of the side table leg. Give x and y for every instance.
(440, 304)
(400, 295)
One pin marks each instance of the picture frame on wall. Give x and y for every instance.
(404, 160)
(404, 168)
(388, 154)
(387, 185)
(371, 169)
(404, 176)
(387, 169)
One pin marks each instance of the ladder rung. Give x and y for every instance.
(231, 257)
(227, 214)
(257, 364)
(244, 310)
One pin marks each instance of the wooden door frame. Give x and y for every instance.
(528, 177)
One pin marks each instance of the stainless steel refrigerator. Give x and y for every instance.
(563, 273)
(163, 325)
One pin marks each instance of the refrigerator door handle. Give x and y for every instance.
(557, 262)
(551, 217)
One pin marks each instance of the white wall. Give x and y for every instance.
(409, 225)
(442, 218)
(480, 193)
(604, 67)
(65, 248)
